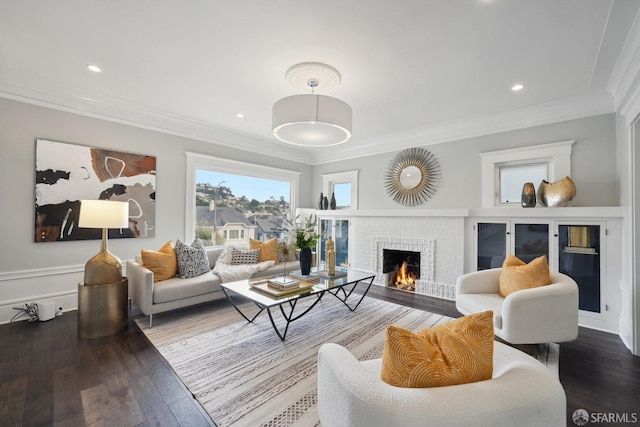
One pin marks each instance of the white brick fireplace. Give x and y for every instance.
(439, 239)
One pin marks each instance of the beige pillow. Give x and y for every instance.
(268, 249)
(162, 262)
(517, 275)
(457, 352)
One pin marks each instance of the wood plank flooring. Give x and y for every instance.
(50, 377)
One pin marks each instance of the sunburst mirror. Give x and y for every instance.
(411, 176)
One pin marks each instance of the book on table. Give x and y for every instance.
(268, 290)
(283, 282)
(311, 277)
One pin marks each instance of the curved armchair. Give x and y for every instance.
(531, 316)
(522, 392)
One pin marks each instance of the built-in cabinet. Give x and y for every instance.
(338, 229)
(572, 247)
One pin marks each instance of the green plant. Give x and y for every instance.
(304, 234)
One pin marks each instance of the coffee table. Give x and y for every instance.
(341, 287)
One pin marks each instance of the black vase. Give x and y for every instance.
(325, 203)
(333, 201)
(305, 261)
(321, 201)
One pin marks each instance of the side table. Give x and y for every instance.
(102, 309)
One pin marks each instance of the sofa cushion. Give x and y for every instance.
(267, 249)
(457, 352)
(192, 260)
(245, 257)
(162, 262)
(517, 275)
(177, 288)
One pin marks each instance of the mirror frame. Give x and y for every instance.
(425, 189)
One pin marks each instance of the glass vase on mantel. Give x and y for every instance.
(305, 261)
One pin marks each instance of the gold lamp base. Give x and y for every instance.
(102, 309)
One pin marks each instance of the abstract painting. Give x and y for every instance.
(68, 173)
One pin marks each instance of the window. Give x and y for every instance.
(526, 163)
(230, 202)
(344, 185)
(514, 176)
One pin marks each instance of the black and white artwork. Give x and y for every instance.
(68, 173)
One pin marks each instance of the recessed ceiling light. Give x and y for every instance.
(517, 87)
(94, 68)
(239, 115)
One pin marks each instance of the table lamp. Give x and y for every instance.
(105, 267)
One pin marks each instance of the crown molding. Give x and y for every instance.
(624, 81)
(37, 91)
(558, 111)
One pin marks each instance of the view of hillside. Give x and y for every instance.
(224, 197)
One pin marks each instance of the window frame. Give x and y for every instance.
(556, 155)
(351, 177)
(195, 161)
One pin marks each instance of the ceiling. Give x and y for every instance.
(415, 72)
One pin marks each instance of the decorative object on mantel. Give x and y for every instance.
(332, 204)
(556, 194)
(310, 119)
(411, 176)
(330, 257)
(325, 203)
(321, 201)
(528, 195)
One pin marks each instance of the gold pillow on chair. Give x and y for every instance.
(517, 274)
(457, 352)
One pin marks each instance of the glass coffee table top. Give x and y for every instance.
(265, 297)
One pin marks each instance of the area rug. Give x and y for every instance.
(244, 375)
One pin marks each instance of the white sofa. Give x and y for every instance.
(170, 294)
(522, 392)
(531, 316)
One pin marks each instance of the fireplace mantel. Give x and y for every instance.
(512, 212)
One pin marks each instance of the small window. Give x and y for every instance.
(342, 192)
(513, 178)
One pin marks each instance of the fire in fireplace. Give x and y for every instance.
(402, 268)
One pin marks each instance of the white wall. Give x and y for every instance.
(29, 271)
(593, 165)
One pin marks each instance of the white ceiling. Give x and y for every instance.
(415, 72)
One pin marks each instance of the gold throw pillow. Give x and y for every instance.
(268, 249)
(457, 352)
(517, 275)
(162, 262)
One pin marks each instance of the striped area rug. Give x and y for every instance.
(243, 375)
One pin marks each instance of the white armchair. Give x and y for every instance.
(522, 393)
(531, 316)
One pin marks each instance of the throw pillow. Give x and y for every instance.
(457, 352)
(517, 274)
(225, 256)
(192, 260)
(245, 257)
(267, 249)
(162, 263)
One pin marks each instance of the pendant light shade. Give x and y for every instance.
(312, 120)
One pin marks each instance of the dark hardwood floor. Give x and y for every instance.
(50, 377)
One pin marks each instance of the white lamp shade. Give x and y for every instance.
(103, 214)
(312, 120)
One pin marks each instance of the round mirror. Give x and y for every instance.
(410, 177)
